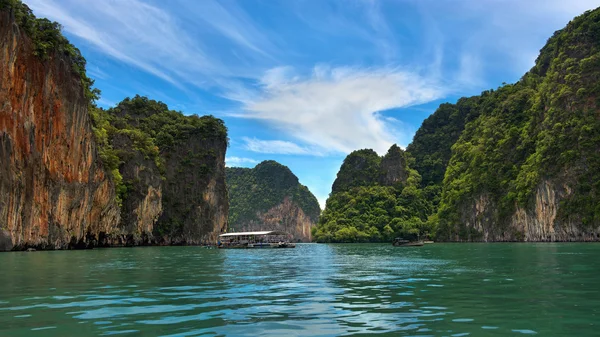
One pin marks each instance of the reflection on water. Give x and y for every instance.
(327, 290)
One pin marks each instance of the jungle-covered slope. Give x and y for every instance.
(522, 162)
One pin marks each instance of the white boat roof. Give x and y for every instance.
(254, 233)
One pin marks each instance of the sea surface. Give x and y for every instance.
(314, 290)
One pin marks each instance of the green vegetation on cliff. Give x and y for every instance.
(154, 138)
(495, 150)
(375, 199)
(431, 146)
(256, 190)
(151, 127)
(48, 39)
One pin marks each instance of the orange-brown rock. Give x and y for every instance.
(54, 192)
(287, 217)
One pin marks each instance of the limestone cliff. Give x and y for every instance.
(54, 192)
(375, 199)
(170, 172)
(135, 174)
(269, 197)
(366, 168)
(526, 167)
(142, 205)
(539, 222)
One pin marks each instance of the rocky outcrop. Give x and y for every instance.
(142, 205)
(54, 192)
(195, 195)
(539, 222)
(270, 197)
(366, 168)
(137, 174)
(287, 217)
(172, 170)
(526, 165)
(394, 168)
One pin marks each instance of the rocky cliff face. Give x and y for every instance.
(135, 174)
(286, 216)
(538, 223)
(393, 167)
(54, 192)
(269, 197)
(195, 195)
(143, 204)
(366, 168)
(170, 170)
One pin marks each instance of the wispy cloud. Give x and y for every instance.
(277, 147)
(239, 161)
(96, 72)
(384, 55)
(338, 109)
(158, 39)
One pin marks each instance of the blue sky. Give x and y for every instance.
(305, 82)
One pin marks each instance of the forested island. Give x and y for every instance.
(270, 197)
(518, 163)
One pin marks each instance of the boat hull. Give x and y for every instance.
(259, 246)
(408, 244)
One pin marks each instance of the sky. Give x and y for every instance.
(305, 82)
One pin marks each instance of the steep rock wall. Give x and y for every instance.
(54, 192)
(287, 217)
(540, 221)
(142, 205)
(195, 195)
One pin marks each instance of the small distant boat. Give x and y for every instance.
(255, 240)
(428, 241)
(399, 242)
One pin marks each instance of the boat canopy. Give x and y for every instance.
(254, 233)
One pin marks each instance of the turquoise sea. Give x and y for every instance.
(550, 289)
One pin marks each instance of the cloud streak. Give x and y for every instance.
(338, 109)
(239, 161)
(277, 147)
(160, 41)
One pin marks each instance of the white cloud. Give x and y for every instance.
(239, 161)
(336, 109)
(277, 147)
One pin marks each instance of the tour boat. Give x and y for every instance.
(399, 242)
(261, 239)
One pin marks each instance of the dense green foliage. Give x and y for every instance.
(431, 146)
(365, 207)
(494, 150)
(506, 142)
(257, 190)
(360, 168)
(48, 41)
(153, 130)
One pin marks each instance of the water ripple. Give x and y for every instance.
(321, 290)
